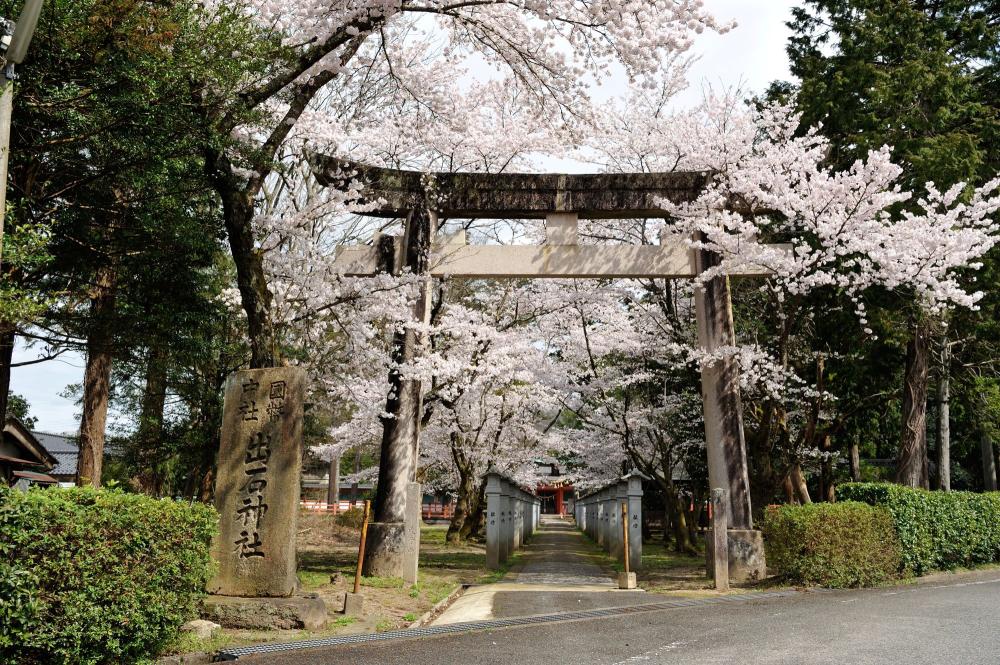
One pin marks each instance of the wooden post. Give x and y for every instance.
(720, 539)
(361, 547)
(626, 554)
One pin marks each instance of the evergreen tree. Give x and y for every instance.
(921, 76)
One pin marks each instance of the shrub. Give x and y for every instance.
(97, 576)
(846, 544)
(352, 518)
(937, 530)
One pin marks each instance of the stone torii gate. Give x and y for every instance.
(561, 200)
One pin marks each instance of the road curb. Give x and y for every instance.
(471, 626)
(441, 606)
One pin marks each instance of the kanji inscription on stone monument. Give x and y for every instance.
(257, 488)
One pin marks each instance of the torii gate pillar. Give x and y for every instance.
(720, 392)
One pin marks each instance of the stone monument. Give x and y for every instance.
(257, 496)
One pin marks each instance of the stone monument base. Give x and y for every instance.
(392, 549)
(307, 612)
(746, 555)
(385, 549)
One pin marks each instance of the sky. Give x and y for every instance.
(750, 56)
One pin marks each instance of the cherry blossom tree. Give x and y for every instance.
(330, 68)
(487, 396)
(627, 387)
(850, 236)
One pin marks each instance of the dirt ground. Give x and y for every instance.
(327, 560)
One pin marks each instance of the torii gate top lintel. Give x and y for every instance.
(514, 195)
(560, 199)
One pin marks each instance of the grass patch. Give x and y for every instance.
(433, 535)
(494, 576)
(666, 571)
(409, 616)
(313, 579)
(191, 643)
(657, 556)
(433, 589)
(379, 582)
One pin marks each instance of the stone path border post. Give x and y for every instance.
(511, 518)
(599, 515)
(633, 484)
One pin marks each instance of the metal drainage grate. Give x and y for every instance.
(236, 652)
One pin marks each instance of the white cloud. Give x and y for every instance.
(752, 55)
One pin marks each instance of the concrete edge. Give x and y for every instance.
(234, 654)
(193, 658)
(441, 606)
(945, 577)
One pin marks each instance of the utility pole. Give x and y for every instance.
(15, 41)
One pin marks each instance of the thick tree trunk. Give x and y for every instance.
(150, 432)
(855, 453)
(699, 505)
(237, 210)
(400, 430)
(682, 536)
(667, 530)
(475, 522)
(911, 464)
(989, 462)
(674, 517)
(333, 484)
(828, 485)
(207, 489)
(944, 418)
(464, 499)
(767, 478)
(191, 483)
(789, 488)
(799, 483)
(256, 297)
(97, 378)
(355, 492)
(7, 338)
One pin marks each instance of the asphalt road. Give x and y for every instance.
(955, 622)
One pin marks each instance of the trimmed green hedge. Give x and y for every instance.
(846, 544)
(98, 576)
(937, 530)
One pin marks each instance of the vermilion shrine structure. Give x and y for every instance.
(425, 200)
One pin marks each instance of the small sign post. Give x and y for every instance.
(626, 580)
(361, 547)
